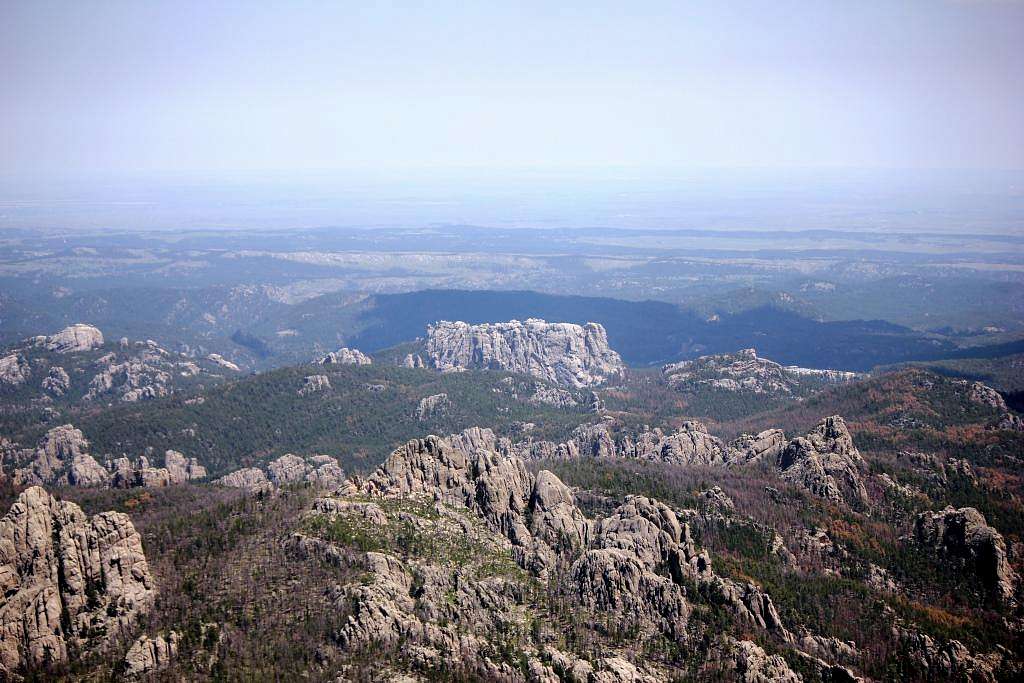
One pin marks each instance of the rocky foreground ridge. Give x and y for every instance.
(464, 547)
(470, 565)
(563, 353)
(71, 584)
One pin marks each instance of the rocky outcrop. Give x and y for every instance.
(747, 662)
(70, 583)
(826, 463)
(744, 371)
(223, 362)
(61, 459)
(125, 372)
(432, 406)
(346, 356)
(932, 660)
(250, 478)
(765, 446)
(149, 655)
(412, 360)
(314, 383)
(939, 470)
(319, 470)
(78, 337)
(627, 572)
(963, 535)
(14, 370)
(57, 382)
(983, 394)
(288, 469)
(551, 396)
(1010, 422)
(182, 468)
(177, 469)
(562, 353)
(689, 444)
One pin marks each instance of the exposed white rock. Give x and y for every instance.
(250, 478)
(632, 568)
(182, 468)
(149, 655)
(177, 469)
(69, 582)
(747, 662)
(322, 471)
(288, 469)
(551, 396)
(14, 369)
(412, 360)
(346, 356)
(223, 362)
(983, 394)
(61, 459)
(73, 339)
(691, 444)
(745, 371)
(314, 383)
(432, 406)
(562, 353)
(764, 446)
(57, 382)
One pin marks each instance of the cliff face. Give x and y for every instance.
(564, 353)
(71, 583)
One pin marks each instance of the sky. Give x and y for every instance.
(108, 87)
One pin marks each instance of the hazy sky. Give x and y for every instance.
(125, 86)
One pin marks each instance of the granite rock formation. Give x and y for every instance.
(563, 353)
(826, 463)
(633, 568)
(744, 371)
(963, 535)
(75, 338)
(72, 584)
(346, 356)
